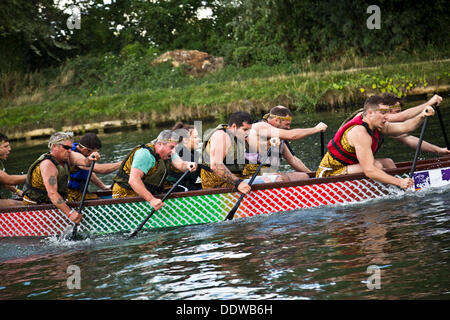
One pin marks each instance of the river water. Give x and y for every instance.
(396, 248)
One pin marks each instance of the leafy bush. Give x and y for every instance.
(270, 55)
(243, 56)
(133, 50)
(86, 71)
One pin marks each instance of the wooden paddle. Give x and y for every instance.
(230, 214)
(441, 121)
(153, 210)
(75, 228)
(419, 145)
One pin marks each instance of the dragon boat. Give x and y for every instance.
(104, 216)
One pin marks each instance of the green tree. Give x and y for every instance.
(164, 24)
(30, 34)
(328, 29)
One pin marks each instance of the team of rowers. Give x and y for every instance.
(230, 154)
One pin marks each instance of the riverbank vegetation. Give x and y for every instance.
(300, 54)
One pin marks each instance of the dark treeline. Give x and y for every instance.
(35, 35)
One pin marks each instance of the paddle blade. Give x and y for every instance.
(131, 235)
(74, 232)
(69, 234)
(153, 210)
(83, 197)
(230, 214)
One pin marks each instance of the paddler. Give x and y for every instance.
(187, 149)
(48, 176)
(396, 105)
(224, 154)
(397, 115)
(88, 144)
(144, 170)
(8, 181)
(277, 124)
(353, 147)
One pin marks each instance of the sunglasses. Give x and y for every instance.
(66, 147)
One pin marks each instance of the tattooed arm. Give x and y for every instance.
(222, 171)
(220, 142)
(49, 174)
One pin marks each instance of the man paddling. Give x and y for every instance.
(48, 176)
(396, 104)
(397, 115)
(353, 147)
(224, 153)
(144, 170)
(277, 124)
(8, 181)
(88, 144)
(187, 150)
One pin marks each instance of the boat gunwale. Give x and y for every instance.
(402, 167)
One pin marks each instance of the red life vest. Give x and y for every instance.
(338, 152)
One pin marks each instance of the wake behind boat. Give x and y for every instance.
(106, 216)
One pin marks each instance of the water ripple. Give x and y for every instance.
(321, 253)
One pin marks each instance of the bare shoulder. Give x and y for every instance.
(49, 172)
(218, 136)
(260, 125)
(358, 136)
(47, 165)
(76, 158)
